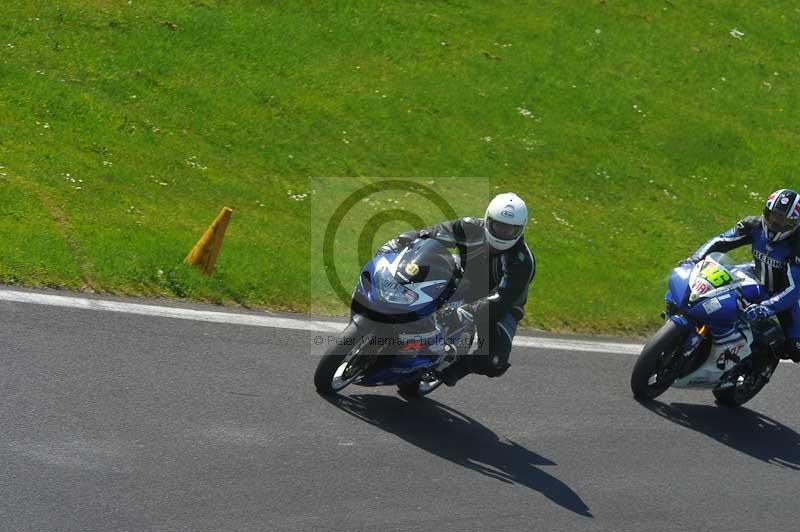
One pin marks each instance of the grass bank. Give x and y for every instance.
(633, 130)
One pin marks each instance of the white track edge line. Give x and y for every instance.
(277, 322)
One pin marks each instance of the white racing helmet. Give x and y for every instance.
(506, 218)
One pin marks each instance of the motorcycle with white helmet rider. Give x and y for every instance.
(497, 268)
(775, 243)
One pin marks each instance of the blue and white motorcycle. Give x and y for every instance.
(705, 342)
(399, 332)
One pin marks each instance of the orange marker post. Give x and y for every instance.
(204, 254)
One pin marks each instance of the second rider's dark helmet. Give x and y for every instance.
(781, 214)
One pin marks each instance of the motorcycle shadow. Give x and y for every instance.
(447, 433)
(739, 428)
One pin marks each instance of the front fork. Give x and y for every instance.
(695, 334)
(694, 337)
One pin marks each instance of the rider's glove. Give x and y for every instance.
(396, 244)
(689, 261)
(757, 313)
(392, 246)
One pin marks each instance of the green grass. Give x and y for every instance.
(634, 131)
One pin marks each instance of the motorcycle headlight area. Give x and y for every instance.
(392, 291)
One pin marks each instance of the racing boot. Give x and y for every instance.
(792, 351)
(455, 372)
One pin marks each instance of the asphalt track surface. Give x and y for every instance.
(115, 422)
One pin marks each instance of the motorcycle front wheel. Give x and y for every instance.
(344, 362)
(657, 367)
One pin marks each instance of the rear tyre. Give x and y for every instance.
(343, 362)
(419, 388)
(657, 367)
(743, 385)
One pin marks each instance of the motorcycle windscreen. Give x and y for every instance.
(710, 275)
(430, 271)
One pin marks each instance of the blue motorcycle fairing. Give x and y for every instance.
(678, 293)
(681, 321)
(719, 312)
(369, 300)
(412, 367)
(754, 293)
(419, 346)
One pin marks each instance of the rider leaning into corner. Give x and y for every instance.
(775, 245)
(497, 268)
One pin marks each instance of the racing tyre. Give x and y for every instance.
(343, 363)
(658, 365)
(741, 386)
(419, 388)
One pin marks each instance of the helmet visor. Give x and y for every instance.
(503, 231)
(778, 222)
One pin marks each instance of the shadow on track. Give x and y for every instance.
(449, 434)
(740, 428)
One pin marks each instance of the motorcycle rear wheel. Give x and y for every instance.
(343, 362)
(418, 388)
(745, 387)
(654, 371)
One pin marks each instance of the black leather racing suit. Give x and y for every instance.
(494, 287)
